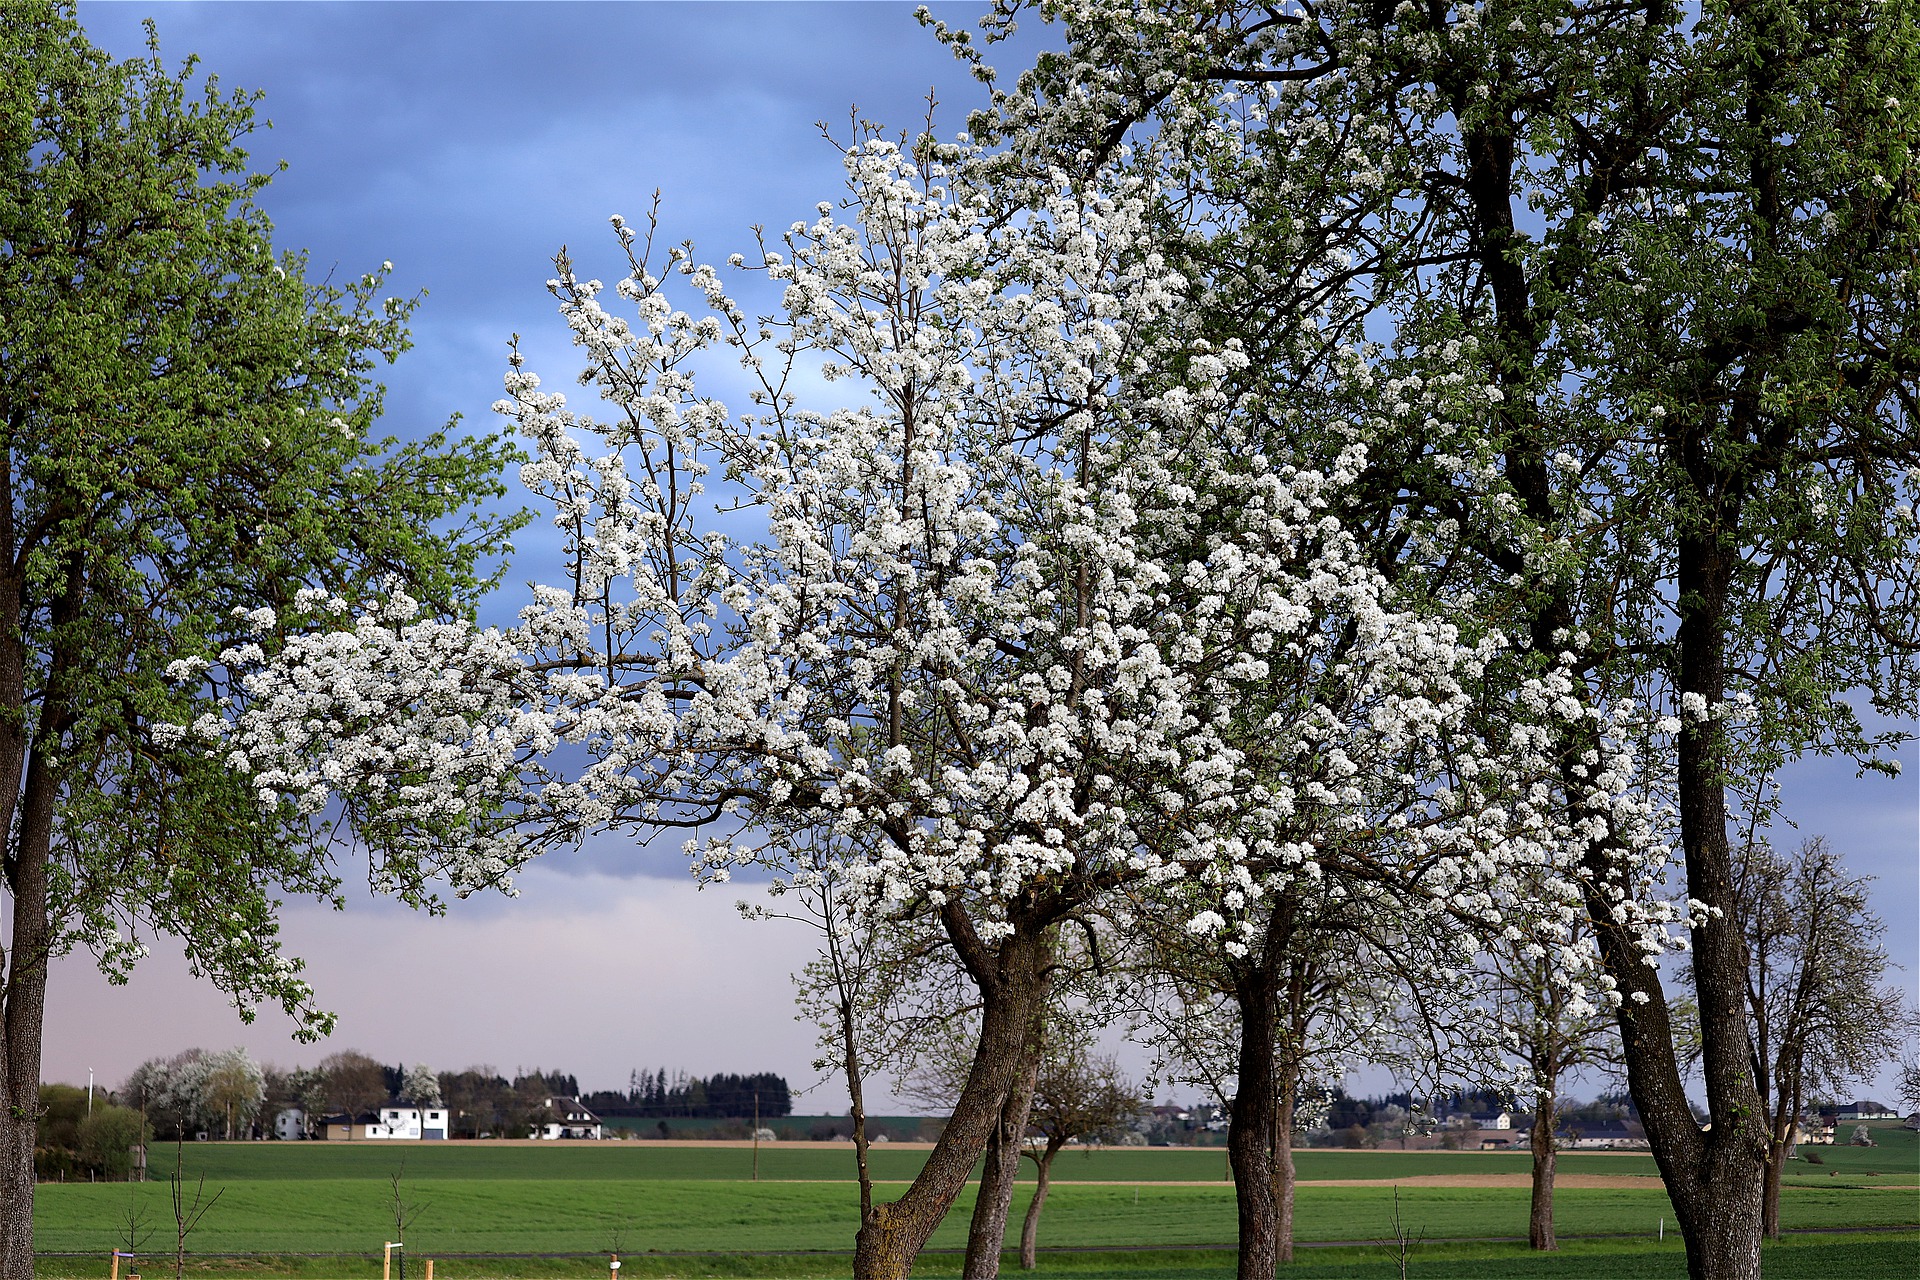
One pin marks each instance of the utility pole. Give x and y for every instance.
(756, 1135)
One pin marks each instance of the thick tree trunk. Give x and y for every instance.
(21, 1024)
(1030, 1229)
(22, 983)
(987, 1232)
(1012, 983)
(1714, 1179)
(1540, 1215)
(1251, 1127)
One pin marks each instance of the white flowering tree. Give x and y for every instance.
(1375, 819)
(1017, 623)
(1676, 241)
(958, 642)
(420, 1086)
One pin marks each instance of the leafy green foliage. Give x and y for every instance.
(187, 426)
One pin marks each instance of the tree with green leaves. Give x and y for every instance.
(186, 440)
(108, 1137)
(1673, 244)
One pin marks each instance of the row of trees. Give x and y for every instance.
(656, 1094)
(1336, 505)
(1341, 503)
(229, 1095)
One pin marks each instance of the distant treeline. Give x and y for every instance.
(1340, 1111)
(656, 1094)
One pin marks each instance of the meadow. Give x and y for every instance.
(659, 1204)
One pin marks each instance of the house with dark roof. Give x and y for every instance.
(568, 1118)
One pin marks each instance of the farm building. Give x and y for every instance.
(393, 1121)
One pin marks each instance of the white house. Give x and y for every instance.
(1492, 1121)
(393, 1122)
(568, 1118)
(290, 1124)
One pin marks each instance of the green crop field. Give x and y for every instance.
(564, 1216)
(665, 1198)
(223, 1162)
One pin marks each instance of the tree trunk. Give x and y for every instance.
(1283, 1160)
(1030, 1229)
(1012, 984)
(1715, 1179)
(22, 1023)
(987, 1232)
(26, 982)
(1250, 1130)
(1540, 1216)
(1786, 1114)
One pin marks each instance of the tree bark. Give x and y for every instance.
(1250, 1129)
(30, 788)
(1713, 1179)
(1030, 1229)
(22, 1026)
(1786, 1117)
(1012, 981)
(1540, 1214)
(987, 1231)
(1283, 1179)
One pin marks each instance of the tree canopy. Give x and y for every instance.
(187, 442)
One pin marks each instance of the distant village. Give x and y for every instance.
(351, 1097)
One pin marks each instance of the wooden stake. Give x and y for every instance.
(386, 1264)
(116, 1265)
(429, 1269)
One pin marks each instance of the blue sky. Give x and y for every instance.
(465, 143)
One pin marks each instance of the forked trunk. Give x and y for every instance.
(1012, 986)
(1030, 1230)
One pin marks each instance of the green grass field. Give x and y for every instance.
(565, 1216)
(664, 1199)
(628, 1161)
(1886, 1257)
(222, 1162)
